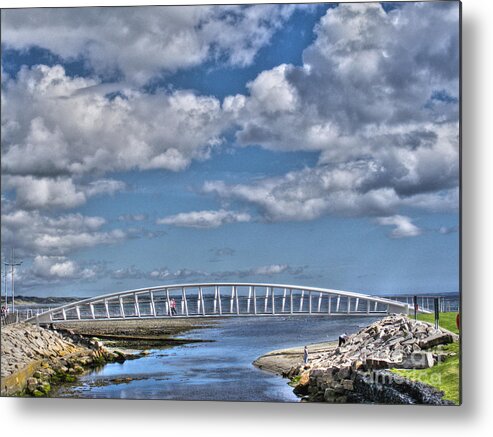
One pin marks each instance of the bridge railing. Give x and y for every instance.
(221, 299)
(427, 302)
(22, 315)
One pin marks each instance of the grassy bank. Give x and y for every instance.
(445, 375)
(446, 320)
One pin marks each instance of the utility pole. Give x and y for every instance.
(12, 264)
(5, 282)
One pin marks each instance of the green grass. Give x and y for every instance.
(445, 375)
(446, 320)
(294, 381)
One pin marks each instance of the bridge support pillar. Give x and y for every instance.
(254, 300)
(273, 299)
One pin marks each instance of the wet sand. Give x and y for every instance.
(281, 361)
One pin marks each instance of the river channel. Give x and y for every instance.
(218, 370)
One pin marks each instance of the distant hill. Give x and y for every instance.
(59, 300)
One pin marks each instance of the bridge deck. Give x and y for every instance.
(222, 299)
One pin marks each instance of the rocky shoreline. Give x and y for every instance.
(35, 359)
(359, 370)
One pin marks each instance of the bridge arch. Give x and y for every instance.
(221, 299)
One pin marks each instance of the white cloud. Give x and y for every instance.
(403, 226)
(307, 194)
(167, 274)
(49, 270)
(34, 234)
(143, 42)
(272, 93)
(204, 219)
(272, 269)
(131, 272)
(53, 267)
(103, 186)
(360, 189)
(45, 192)
(51, 128)
(59, 192)
(364, 99)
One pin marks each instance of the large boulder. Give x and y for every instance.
(302, 386)
(417, 360)
(435, 340)
(379, 363)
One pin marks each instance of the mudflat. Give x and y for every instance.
(141, 328)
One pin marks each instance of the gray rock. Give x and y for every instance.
(379, 363)
(417, 360)
(435, 340)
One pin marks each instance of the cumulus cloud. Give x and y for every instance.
(385, 137)
(56, 267)
(369, 80)
(50, 270)
(377, 97)
(204, 219)
(355, 100)
(143, 42)
(33, 233)
(59, 192)
(53, 267)
(403, 226)
(359, 189)
(51, 129)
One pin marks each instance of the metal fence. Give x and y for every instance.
(21, 315)
(446, 304)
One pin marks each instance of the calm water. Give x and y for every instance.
(221, 370)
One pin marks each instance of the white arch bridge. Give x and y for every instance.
(221, 300)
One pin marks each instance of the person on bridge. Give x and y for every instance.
(173, 307)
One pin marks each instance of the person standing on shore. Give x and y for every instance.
(305, 355)
(4, 314)
(342, 339)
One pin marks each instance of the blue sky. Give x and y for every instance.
(309, 144)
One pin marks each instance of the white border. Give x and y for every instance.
(53, 417)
